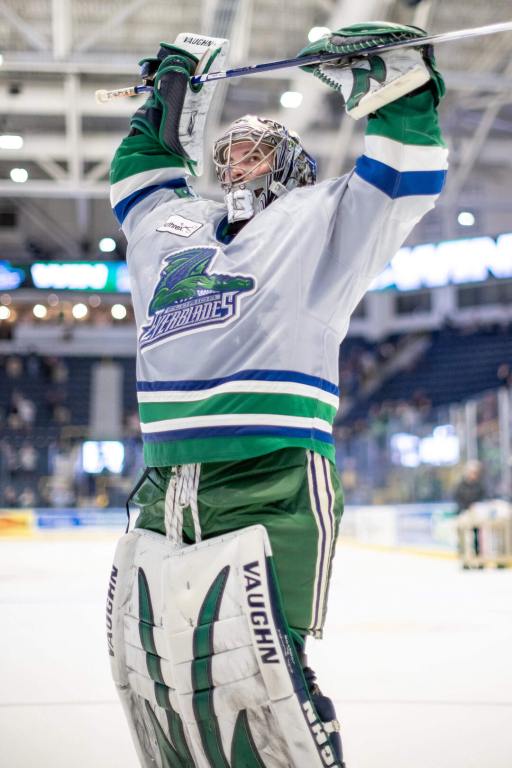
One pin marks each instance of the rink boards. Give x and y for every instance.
(428, 526)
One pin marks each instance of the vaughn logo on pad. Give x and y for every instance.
(189, 298)
(179, 225)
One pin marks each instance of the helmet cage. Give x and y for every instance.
(291, 165)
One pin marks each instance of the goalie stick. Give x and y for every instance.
(300, 61)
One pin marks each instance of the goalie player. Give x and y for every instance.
(241, 307)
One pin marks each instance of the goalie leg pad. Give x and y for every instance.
(203, 659)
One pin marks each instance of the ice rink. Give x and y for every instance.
(417, 655)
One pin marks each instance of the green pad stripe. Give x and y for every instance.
(243, 749)
(145, 606)
(177, 734)
(202, 641)
(146, 618)
(204, 710)
(154, 666)
(170, 758)
(202, 678)
(146, 637)
(162, 696)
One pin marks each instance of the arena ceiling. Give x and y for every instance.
(56, 53)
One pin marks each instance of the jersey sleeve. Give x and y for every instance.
(142, 176)
(363, 221)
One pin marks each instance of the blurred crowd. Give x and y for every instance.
(41, 438)
(34, 391)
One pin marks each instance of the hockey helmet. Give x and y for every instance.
(276, 147)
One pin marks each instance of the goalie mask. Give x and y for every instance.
(258, 160)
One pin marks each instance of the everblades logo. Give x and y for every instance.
(189, 298)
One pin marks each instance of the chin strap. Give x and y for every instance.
(240, 202)
(243, 202)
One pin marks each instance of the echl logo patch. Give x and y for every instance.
(189, 298)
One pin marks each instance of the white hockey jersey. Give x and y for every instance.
(238, 341)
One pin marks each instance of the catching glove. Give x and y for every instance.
(368, 82)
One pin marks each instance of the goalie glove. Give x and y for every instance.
(175, 113)
(367, 83)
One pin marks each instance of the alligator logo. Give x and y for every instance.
(189, 298)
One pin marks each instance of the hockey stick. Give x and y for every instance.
(300, 61)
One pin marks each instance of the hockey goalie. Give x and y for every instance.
(241, 307)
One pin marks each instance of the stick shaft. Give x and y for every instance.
(299, 61)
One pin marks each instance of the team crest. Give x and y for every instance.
(189, 298)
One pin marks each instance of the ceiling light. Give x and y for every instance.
(316, 33)
(79, 311)
(107, 245)
(291, 99)
(466, 219)
(5, 313)
(10, 141)
(39, 310)
(118, 311)
(1, 59)
(19, 175)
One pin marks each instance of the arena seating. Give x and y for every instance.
(457, 365)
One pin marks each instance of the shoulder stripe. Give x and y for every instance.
(138, 181)
(405, 157)
(396, 184)
(122, 209)
(254, 375)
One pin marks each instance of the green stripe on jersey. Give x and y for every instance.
(140, 153)
(244, 402)
(238, 448)
(410, 120)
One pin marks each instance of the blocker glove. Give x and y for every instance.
(169, 73)
(175, 113)
(368, 82)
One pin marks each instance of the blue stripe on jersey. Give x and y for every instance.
(122, 209)
(399, 184)
(254, 375)
(237, 431)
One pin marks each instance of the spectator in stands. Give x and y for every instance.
(13, 367)
(33, 365)
(26, 411)
(60, 373)
(471, 487)
(9, 459)
(27, 498)
(504, 375)
(10, 497)
(27, 456)
(468, 491)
